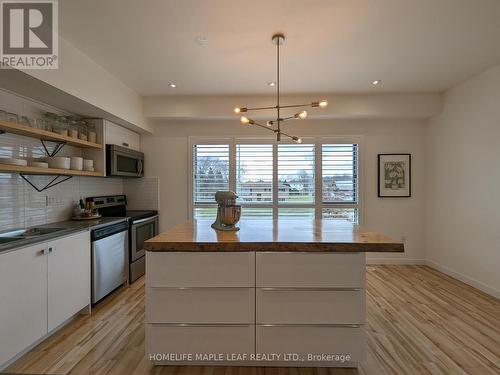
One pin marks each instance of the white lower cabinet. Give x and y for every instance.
(68, 277)
(23, 296)
(201, 305)
(41, 286)
(298, 269)
(310, 305)
(199, 340)
(194, 269)
(346, 342)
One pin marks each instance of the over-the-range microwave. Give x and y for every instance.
(123, 162)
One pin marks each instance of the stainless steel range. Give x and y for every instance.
(143, 226)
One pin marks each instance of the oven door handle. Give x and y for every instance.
(151, 218)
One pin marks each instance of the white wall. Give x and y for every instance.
(167, 157)
(80, 76)
(217, 107)
(462, 183)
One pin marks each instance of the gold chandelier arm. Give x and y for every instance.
(288, 135)
(260, 108)
(292, 137)
(263, 126)
(281, 107)
(296, 105)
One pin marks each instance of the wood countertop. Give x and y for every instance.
(279, 235)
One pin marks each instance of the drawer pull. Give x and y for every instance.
(311, 325)
(308, 252)
(200, 325)
(199, 287)
(312, 289)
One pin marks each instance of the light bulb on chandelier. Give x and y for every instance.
(247, 121)
(301, 115)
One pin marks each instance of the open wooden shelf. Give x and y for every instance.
(46, 171)
(20, 129)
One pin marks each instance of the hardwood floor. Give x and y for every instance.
(419, 321)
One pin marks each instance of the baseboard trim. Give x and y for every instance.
(466, 279)
(399, 261)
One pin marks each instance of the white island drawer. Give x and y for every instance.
(200, 305)
(305, 306)
(211, 269)
(315, 340)
(199, 339)
(277, 269)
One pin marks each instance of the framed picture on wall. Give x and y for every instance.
(394, 175)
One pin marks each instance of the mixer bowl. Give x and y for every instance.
(230, 215)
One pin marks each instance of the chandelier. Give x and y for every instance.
(276, 124)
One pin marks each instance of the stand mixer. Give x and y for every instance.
(228, 212)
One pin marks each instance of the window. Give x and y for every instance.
(254, 173)
(210, 174)
(340, 182)
(317, 179)
(296, 173)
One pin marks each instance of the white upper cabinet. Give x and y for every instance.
(68, 277)
(118, 135)
(23, 296)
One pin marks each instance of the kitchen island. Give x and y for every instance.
(276, 293)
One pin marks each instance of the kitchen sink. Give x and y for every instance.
(27, 233)
(4, 240)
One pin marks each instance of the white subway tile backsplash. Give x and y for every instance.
(95, 186)
(22, 206)
(35, 203)
(11, 201)
(142, 193)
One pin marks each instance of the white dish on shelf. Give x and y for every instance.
(59, 162)
(88, 163)
(39, 164)
(89, 169)
(12, 161)
(76, 163)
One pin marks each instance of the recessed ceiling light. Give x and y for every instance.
(173, 85)
(376, 82)
(201, 40)
(272, 84)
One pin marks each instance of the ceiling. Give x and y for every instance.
(336, 46)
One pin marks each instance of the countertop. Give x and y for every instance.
(292, 235)
(67, 228)
(85, 224)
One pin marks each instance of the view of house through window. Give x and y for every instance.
(310, 180)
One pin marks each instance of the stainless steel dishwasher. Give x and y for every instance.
(109, 259)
